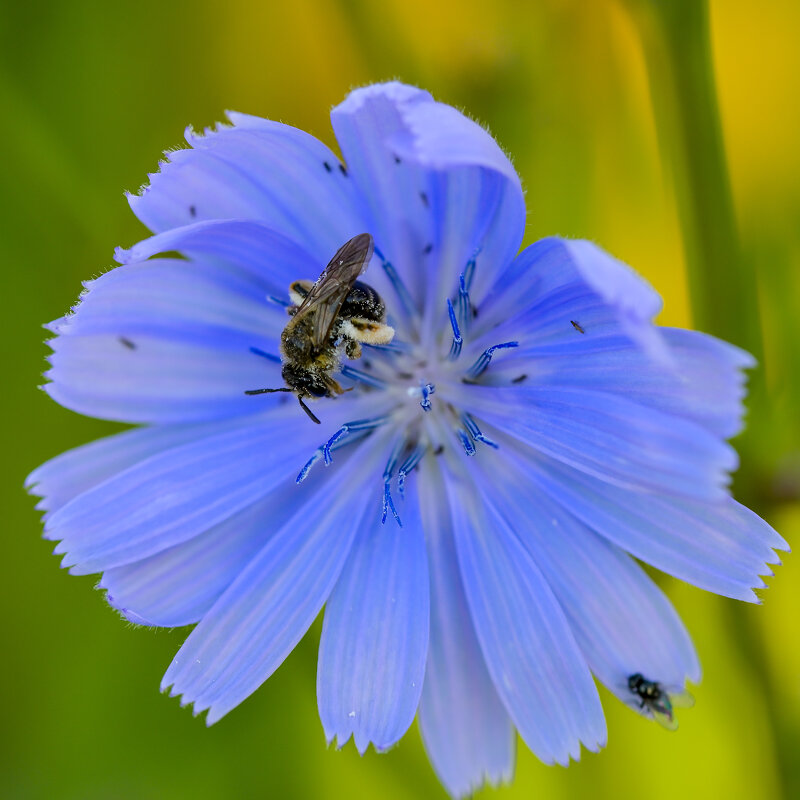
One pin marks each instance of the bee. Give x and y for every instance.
(331, 317)
(659, 701)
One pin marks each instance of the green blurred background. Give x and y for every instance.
(608, 110)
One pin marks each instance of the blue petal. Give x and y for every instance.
(623, 623)
(171, 294)
(68, 475)
(705, 383)
(254, 259)
(431, 177)
(535, 663)
(610, 437)
(165, 341)
(467, 732)
(375, 635)
(711, 372)
(179, 585)
(257, 170)
(258, 621)
(722, 547)
(177, 494)
(556, 282)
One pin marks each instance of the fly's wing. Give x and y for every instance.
(333, 286)
(664, 708)
(680, 698)
(663, 714)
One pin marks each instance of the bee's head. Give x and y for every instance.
(306, 382)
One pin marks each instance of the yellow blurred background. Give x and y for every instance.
(92, 92)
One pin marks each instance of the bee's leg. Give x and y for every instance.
(352, 348)
(308, 410)
(334, 386)
(267, 391)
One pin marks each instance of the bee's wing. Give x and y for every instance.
(333, 286)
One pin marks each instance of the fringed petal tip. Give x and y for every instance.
(185, 701)
(339, 739)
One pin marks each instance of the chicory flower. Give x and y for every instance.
(467, 514)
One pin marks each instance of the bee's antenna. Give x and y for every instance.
(307, 410)
(267, 391)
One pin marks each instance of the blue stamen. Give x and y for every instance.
(469, 270)
(483, 360)
(475, 431)
(264, 354)
(469, 448)
(388, 503)
(310, 463)
(455, 346)
(326, 448)
(464, 305)
(364, 377)
(427, 390)
(392, 347)
(408, 467)
(340, 438)
(279, 301)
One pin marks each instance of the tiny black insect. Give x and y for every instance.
(328, 167)
(519, 378)
(125, 342)
(577, 326)
(657, 700)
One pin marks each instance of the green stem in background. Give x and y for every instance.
(722, 282)
(677, 48)
(676, 39)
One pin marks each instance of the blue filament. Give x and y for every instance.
(475, 432)
(264, 354)
(466, 442)
(464, 305)
(279, 301)
(455, 347)
(408, 466)
(427, 390)
(484, 359)
(469, 270)
(341, 437)
(388, 503)
(303, 474)
(392, 347)
(363, 377)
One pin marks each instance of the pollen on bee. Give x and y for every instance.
(366, 331)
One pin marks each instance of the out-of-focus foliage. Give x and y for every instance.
(92, 92)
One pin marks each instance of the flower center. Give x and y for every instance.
(420, 385)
